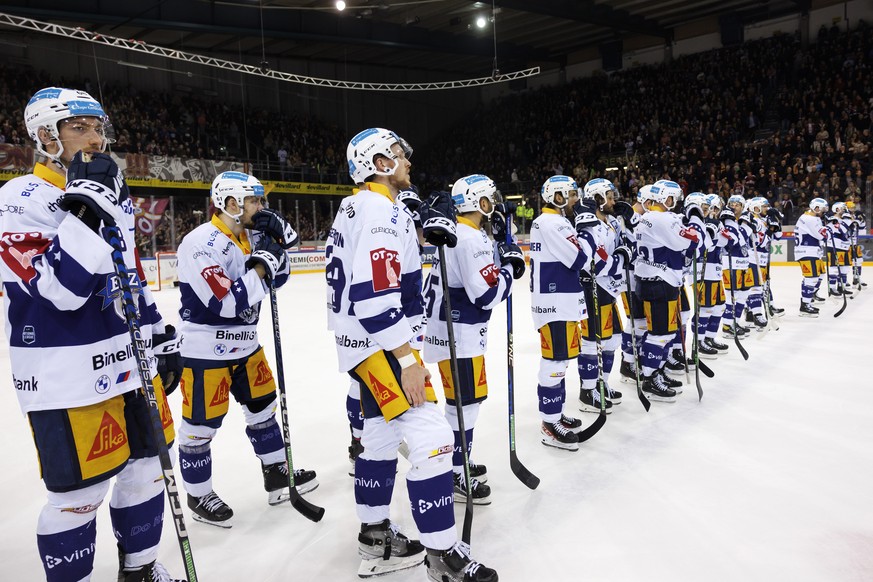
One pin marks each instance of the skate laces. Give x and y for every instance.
(559, 428)
(463, 550)
(160, 574)
(210, 502)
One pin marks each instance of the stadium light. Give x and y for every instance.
(340, 5)
(481, 22)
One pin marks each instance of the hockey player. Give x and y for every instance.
(557, 305)
(735, 264)
(773, 219)
(476, 286)
(710, 287)
(374, 301)
(599, 227)
(224, 269)
(839, 245)
(636, 321)
(663, 242)
(759, 242)
(809, 234)
(73, 364)
(859, 225)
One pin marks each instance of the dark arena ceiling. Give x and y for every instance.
(426, 35)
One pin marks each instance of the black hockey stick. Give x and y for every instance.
(520, 471)
(695, 321)
(682, 333)
(112, 235)
(764, 293)
(459, 406)
(305, 508)
(630, 303)
(734, 283)
(601, 418)
(836, 260)
(856, 270)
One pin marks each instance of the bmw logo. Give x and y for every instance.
(103, 384)
(220, 349)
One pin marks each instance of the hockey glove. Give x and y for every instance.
(270, 255)
(585, 217)
(727, 216)
(511, 255)
(627, 213)
(438, 220)
(692, 210)
(712, 229)
(586, 280)
(166, 349)
(746, 218)
(274, 225)
(410, 198)
(94, 189)
(623, 252)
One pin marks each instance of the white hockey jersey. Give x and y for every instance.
(663, 243)
(476, 286)
(605, 237)
(736, 254)
(715, 247)
(69, 342)
(373, 276)
(556, 257)
(841, 233)
(221, 299)
(808, 234)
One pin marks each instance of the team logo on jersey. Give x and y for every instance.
(264, 374)
(222, 393)
(575, 242)
(482, 381)
(166, 415)
(103, 384)
(544, 343)
(112, 293)
(385, 265)
(574, 343)
(110, 437)
(28, 334)
(489, 273)
(218, 281)
(383, 394)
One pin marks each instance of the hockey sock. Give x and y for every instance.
(807, 290)
(433, 506)
(714, 320)
(756, 303)
(653, 353)
(266, 439)
(728, 315)
(354, 411)
(471, 414)
(832, 282)
(68, 555)
(608, 361)
(458, 452)
(703, 322)
(551, 401)
(627, 352)
(374, 485)
(138, 528)
(587, 371)
(196, 465)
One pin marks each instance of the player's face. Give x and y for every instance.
(485, 206)
(85, 134)
(609, 205)
(400, 178)
(251, 206)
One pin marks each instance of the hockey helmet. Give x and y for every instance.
(468, 192)
(818, 205)
(237, 185)
(734, 200)
(364, 147)
(714, 201)
(563, 185)
(49, 106)
(598, 187)
(662, 190)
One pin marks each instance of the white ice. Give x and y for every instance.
(770, 477)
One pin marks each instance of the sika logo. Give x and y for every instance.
(264, 374)
(222, 394)
(383, 394)
(109, 438)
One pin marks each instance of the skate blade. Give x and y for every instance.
(626, 380)
(708, 356)
(461, 498)
(281, 496)
(583, 407)
(380, 567)
(810, 315)
(657, 398)
(550, 442)
(615, 401)
(226, 524)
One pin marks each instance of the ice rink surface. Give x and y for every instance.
(768, 478)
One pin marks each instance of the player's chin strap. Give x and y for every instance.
(235, 217)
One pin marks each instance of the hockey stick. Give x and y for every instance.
(520, 471)
(771, 320)
(459, 407)
(682, 332)
(840, 289)
(856, 270)
(305, 508)
(112, 235)
(695, 321)
(601, 418)
(630, 303)
(734, 283)
(700, 365)
(764, 299)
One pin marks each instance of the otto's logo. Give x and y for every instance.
(219, 282)
(109, 438)
(385, 265)
(489, 273)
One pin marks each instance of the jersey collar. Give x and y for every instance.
(550, 211)
(242, 242)
(50, 176)
(377, 188)
(467, 221)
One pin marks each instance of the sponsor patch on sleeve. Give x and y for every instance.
(489, 273)
(690, 234)
(217, 280)
(18, 249)
(385, 265)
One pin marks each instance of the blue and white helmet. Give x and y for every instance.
(696, 199)
(468, 192)
(49, 106)
(818, 205)
(563, 185)
(237, 185)
(598, 187)
(714, 201)
(643, 193)
(364, 147)
(756, 205)
(663, 190)
(736, 199)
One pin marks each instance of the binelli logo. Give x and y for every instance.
(109, 438)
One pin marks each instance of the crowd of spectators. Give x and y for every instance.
(765, 118)
(769, 117)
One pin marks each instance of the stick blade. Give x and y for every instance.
(595, 426)
(304, 508)
(530, 480)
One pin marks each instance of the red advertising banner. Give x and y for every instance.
(148, 213)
